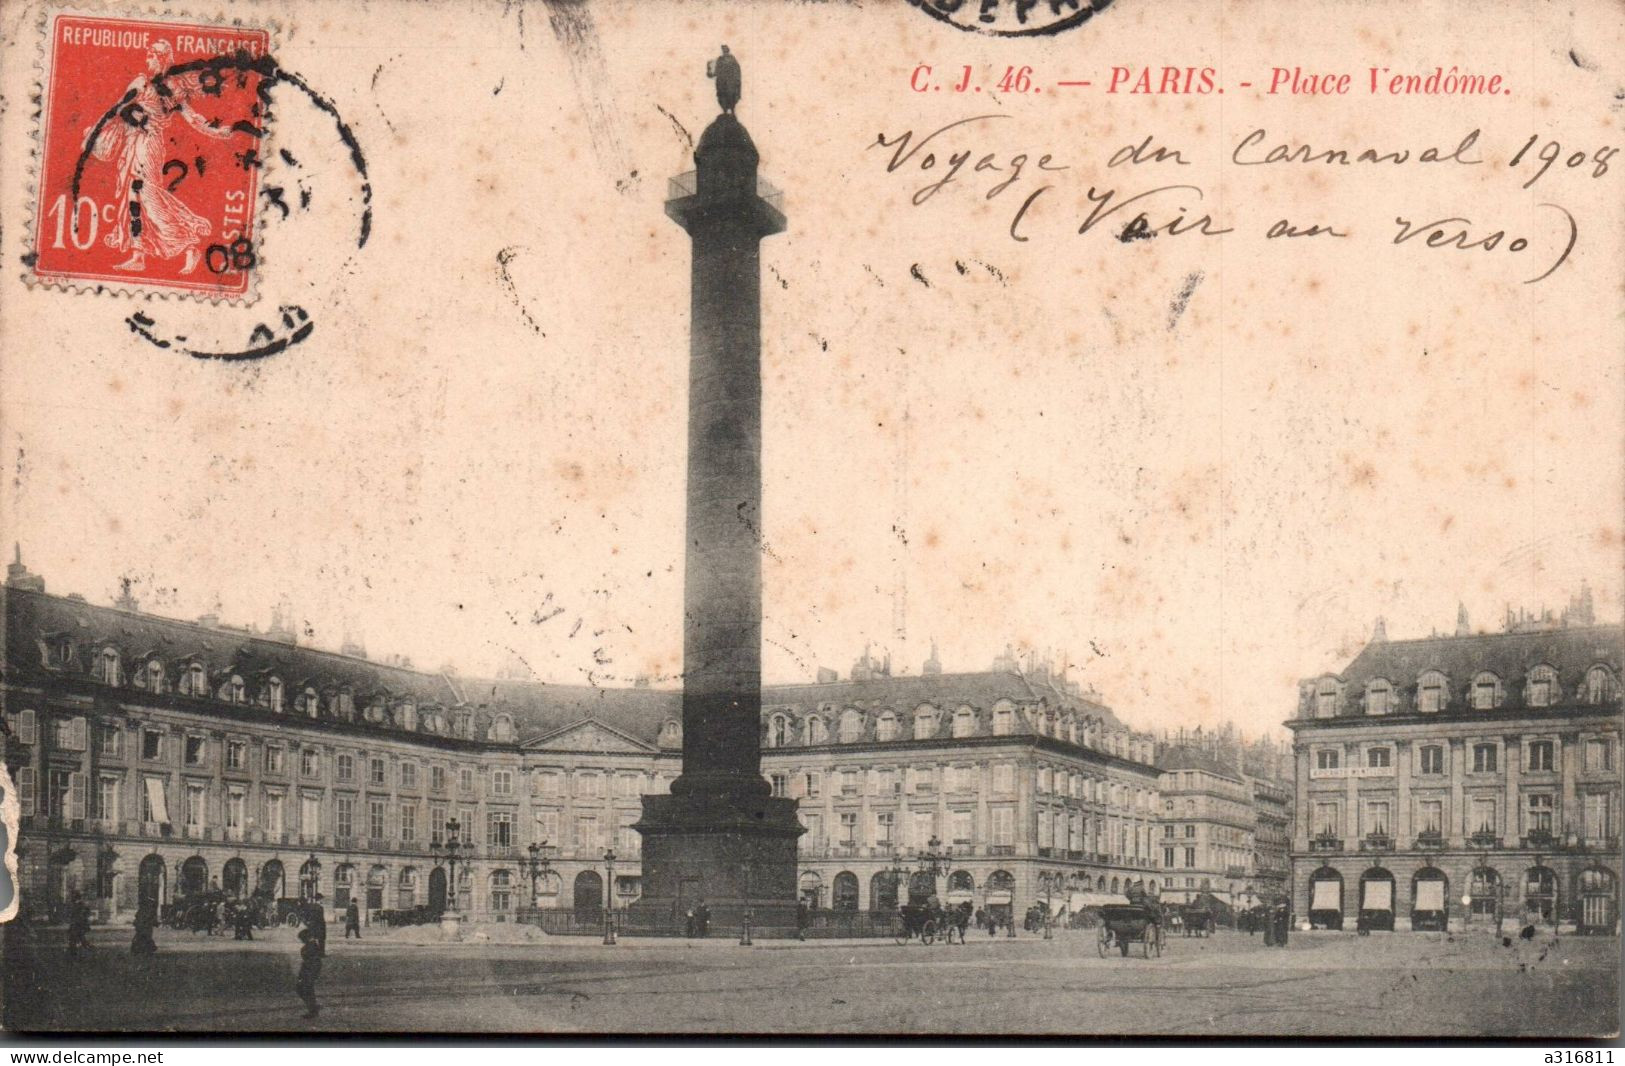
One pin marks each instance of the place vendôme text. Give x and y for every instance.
(958, 153)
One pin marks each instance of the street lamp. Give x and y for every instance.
(449, 853)
(536, 866)
(898, 873)
(609, 892)
(1049, 886)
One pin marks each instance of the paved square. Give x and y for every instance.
(1388, 985)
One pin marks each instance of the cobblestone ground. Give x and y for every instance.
(1385, 985)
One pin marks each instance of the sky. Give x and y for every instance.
(1191, 470)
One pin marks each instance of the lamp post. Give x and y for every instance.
(536, 865)
(1049, 887)
(609, 892)
(449, 853)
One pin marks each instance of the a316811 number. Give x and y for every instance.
(1581, 1058)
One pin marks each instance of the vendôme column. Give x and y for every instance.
(720, 838)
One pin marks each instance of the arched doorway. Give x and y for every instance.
(234, 878)
(1100, 883)
(437, 890)
(151, 882)
(922, 885)
(589, 898)
(1326, 899)
(961, 887)
(1000, 900)
(343, 885)
(883, 891)
(1598, 891)
(1430, 900)
(1116, 885)
(1377, 899)
(1484, 895)
(1540, 894)
(271, 879)
(310, 878)
(407, 896)
(846, 891)
(194, 876)
(810, 889)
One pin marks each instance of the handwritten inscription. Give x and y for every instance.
(957, 154)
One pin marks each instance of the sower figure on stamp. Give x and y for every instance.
(151, 218)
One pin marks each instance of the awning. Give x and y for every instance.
(1379, 896)
(1328, 896)
(1080, 900)
(996, 898)
(1430, 895)
(155, 800)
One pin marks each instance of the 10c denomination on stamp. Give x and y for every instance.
(150, 155)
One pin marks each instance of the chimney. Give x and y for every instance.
(826, 676)
(1380, 633)
(126, 600)
(17, 575)
(1462, 627)
(933, 665)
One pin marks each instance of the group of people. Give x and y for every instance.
(698, 921)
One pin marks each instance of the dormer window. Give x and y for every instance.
(273, 690)
(1541, 689)
(1599, 687)
(851, 727)
(925, 723)
(1431, 693)
(194, 682)
(1004, 720)
(502, 729)
(778, 731)
(817, 731)
(108, 668)
(309, 704)
(1379, 697)
(964, 722)
(408, 717)
(886, 727)
(375, 710)
(155, 676)
(237, 689)
(1326, 699)
(1486, 692)
(671, 733)
(62, 652)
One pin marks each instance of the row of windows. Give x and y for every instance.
(782, 729)
(1598, 816)
(149, 674)
(1486, 692)
(1540, 756)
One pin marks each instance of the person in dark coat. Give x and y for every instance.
(803, 919)
(702, 919)
(1283, 921)
(352, 921)
(315, 916)
(146, 920)
(243, 921)
(78, 925)
(310, 968)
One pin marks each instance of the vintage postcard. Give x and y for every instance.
(922, 517)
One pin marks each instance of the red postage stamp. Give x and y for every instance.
(149, 161)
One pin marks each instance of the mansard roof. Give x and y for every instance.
(1190, 757)
(981, 690)
(1570, 650)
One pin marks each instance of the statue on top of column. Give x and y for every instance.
(725, 69)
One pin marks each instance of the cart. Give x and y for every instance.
(914, 921)
(1125, 924)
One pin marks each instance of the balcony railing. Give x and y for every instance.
(1485, 838)
(1325, 842)
(1539, 838)
(1001, 849)
(1429, 839)
(1377, 842)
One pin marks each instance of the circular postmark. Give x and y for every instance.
(1013, 18)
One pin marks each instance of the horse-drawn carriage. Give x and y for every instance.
(1131, 923)
(197, 913)
(914, 920)
(1196, 921)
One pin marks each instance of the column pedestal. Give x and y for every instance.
(735, 852)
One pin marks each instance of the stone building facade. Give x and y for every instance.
(1462, 779)
(1207, 828)
(155, 757)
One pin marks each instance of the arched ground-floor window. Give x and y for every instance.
(152, 879)
(922, 885)
(310, 878)
(1000, 897)
(272, 879)
(589, 896)
(234, 878)
(1484, 894)
(1430, 900)
(1377, 899)
(1540, 894)
(961, 887)
(1598, 892)
(408, 888)
(846, 891)
(1326, 899)
(501, 891)
(194, 876)
(883, 891)
(343, 885)
(810, 889)
(377, 878)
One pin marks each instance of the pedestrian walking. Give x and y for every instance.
(78, 925)
(310, 968)
(243, 922)
(146, 920)
(702, 920)
(352, 921)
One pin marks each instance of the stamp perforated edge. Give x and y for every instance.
(133, 289)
